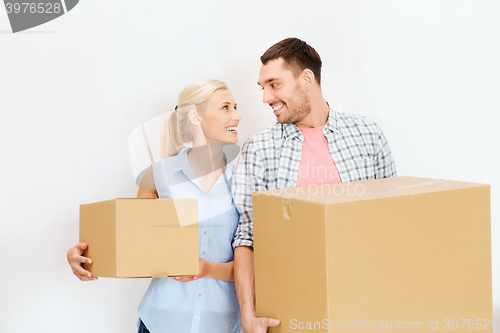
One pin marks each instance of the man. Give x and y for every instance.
(310, 144)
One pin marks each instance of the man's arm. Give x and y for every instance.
(245, 280)
(245, 289)
(249, 177)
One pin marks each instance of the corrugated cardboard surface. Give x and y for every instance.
(283, 285)
(141, 237)
(98, 229)
(409, 250)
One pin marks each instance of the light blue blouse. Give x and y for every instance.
(205, 305)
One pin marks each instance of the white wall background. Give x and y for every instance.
(73, 89)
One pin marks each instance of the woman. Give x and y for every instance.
(206, 116)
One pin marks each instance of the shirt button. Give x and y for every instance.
(196, 316)
(199, 295)
(206, 212)
(203, 252)
(205, 232)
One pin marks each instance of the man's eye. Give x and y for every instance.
(224, 107)
(274, 85)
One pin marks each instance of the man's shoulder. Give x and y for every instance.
(266, 137)
(350, 120)
(346, 122)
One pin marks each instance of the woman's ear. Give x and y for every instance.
(194, 118)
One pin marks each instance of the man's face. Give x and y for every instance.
(283, 92)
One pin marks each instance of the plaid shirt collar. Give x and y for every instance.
(291, 131)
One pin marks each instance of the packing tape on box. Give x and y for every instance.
(159, 272)
(287, 208)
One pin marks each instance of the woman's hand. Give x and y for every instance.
(75, 260)
(205, 266)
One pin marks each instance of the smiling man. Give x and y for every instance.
(311, 144)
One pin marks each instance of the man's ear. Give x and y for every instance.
(307, 78)
(194, 118)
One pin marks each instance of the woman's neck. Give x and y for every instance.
(206, 159)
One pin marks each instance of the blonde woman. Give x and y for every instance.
(206, 118)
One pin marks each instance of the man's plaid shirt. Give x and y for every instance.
(270, 160)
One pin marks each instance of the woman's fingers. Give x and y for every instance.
(185, 278)
(81, 271)
(83, 260)
(75, 260)
(81, 247)
(83, 274)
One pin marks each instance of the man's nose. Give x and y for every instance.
(268, 96)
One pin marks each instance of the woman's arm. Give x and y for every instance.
(219, 271)
(212, 270)
(147, 193)
(147, 188)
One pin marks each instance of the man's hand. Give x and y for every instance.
(258, 325)
(75, 260)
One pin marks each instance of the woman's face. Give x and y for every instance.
(220, 119)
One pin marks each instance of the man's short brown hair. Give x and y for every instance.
(298, 55)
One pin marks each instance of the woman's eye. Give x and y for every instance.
(225, 107)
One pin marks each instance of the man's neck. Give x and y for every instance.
(318, 115)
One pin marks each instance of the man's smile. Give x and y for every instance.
(277, 108)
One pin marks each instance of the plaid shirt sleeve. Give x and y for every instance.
(248, 177)
(384, 163)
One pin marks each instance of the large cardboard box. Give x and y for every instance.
(402, 253)
(141, 237)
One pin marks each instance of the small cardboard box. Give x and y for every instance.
(141, 237)
(398, 253)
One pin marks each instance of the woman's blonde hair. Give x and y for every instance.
(177, 130)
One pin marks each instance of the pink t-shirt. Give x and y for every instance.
(316, 165)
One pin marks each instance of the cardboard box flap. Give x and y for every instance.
(182, 214)
(368, 189)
